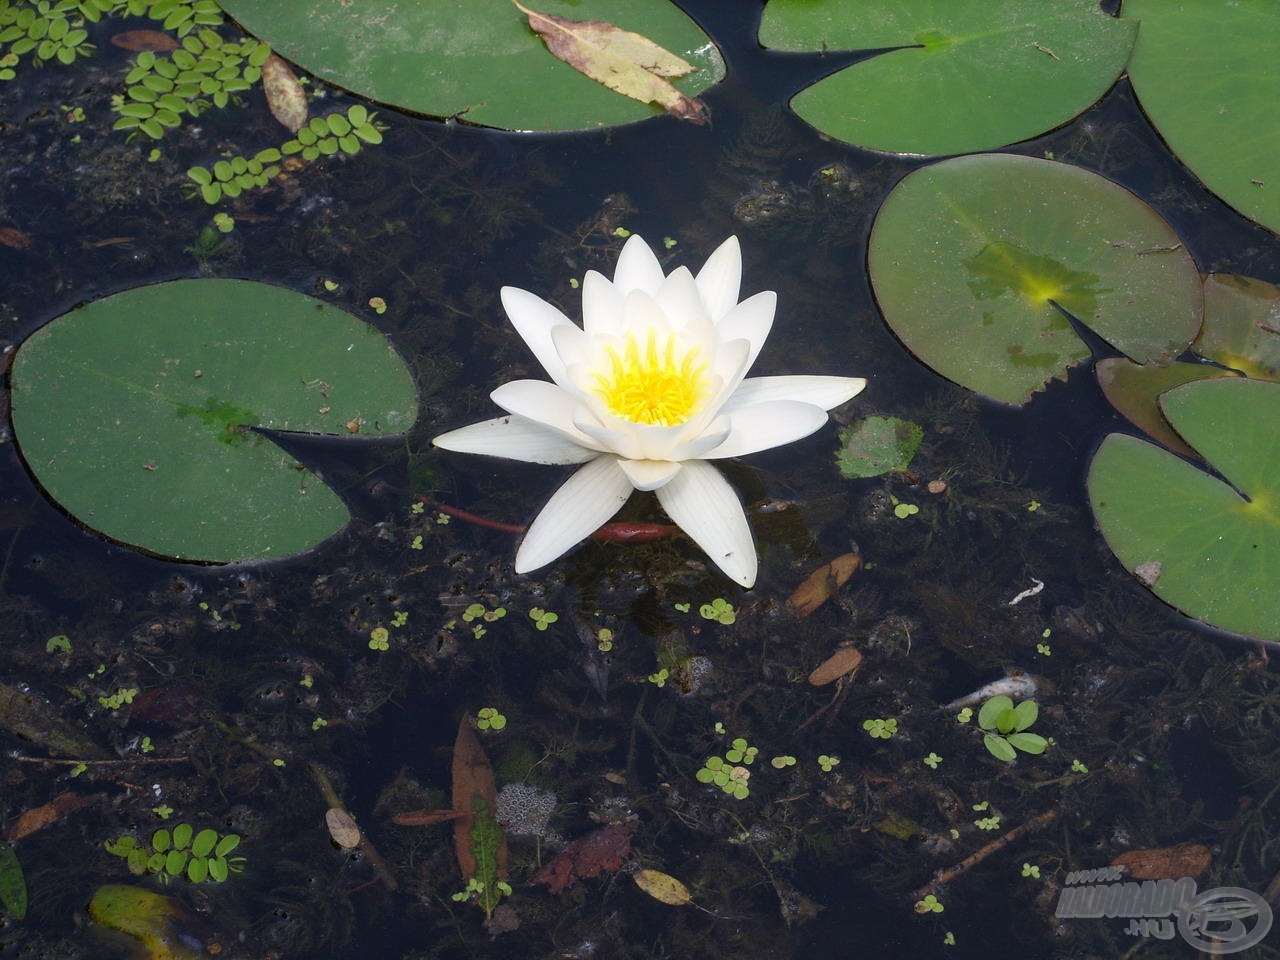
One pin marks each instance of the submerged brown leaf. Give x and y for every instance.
(841, 663)
(628, 63)
(1166, 863)
(472, 777)
(153, 40)
(822, 584)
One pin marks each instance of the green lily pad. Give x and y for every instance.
(476, 60)
(1241, 325)
(877, 445)
(1206, 73)
(1135, 391)
(969, 256)
(966, 76)
(1207, 547)
(133, 414)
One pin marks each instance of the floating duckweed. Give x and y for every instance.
(336, 132)
(183, 851)
(205, 71)
(44, 31)
(230, 178)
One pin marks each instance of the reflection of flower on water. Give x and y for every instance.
(649, 388)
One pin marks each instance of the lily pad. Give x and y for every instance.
(971, 259)
(1207, 547)
(1241, 325)
(476, 60)
(964, 76)
(1207, 75)
(134, 414)
(1135, 391)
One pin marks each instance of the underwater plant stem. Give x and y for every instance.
(943, 877)
(365, 846)
(617, 531)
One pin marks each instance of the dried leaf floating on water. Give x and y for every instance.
(342, 828)
(625, 62)
(822, 584)
(285, 96)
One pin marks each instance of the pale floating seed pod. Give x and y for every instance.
(285, 95)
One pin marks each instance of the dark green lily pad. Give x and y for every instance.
(967, 76)
(877, 445)
(1211, 549)
(476, 60)
(1135, 391)
(133, 413)
(969, 256)
(1207, 74)
(1241, 325)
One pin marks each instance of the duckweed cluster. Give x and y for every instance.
(326, 136)
(230, 178)
(205, 71)
(199, 856)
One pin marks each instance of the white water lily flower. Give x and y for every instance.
(647, 390)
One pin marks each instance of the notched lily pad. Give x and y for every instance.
(974, 259)
(136, 414)
(964, 76)
(1207, 547)
(477, 60)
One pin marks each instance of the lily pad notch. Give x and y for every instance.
(135, 414)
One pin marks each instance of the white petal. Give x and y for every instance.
(638, 268)
(729, 365)
(534, 319)
(515, 439)
(680, 300)
(825, 392)
(649, 474)
(751, 320)
(706, 508)
(711, 437)
(587, 499)
(543, 403)
(606, 432)
(601, 305)
(767, 425)
(573, 346)
(720, 278)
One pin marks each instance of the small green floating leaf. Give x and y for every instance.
(1207, 75)
(969, 256)
(133, 413)
(1207, 549)
(965, 77)
(477, 60)
(877, 445)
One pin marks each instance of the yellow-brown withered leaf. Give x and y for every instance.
(285, 96)
(662, 887)
(820, 585)
(844, 661)
(628, 63)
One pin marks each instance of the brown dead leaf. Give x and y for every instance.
(628, 63)
(155, 40)
(822, 584)
(472, 777)
(1166, 863)
(342, 828)
(844, 661)
(424, 818)
(15, 238)
(285, 96)
(601, 851)
(37, 818)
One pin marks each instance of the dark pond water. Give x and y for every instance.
(259, 702)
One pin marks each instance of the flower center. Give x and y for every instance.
(661, 382)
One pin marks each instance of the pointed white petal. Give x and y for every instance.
(751, 320)
(707, 440)
(606, 432)
(680, 300)
(601, 305)
(543, 403)
(729, 365)
(649, 474)
(515, 439)
(638, 268)
(572, 345)
(825, 392)
(534, 319)
(720, 278)
(640, 313)
(587, 499)
(705, 507)
(767, 425)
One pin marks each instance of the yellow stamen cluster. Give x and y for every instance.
(663, 382)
